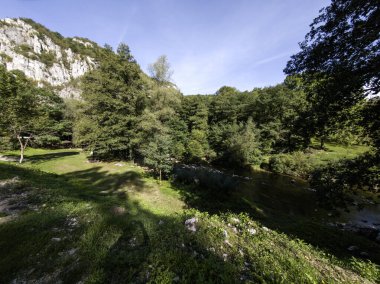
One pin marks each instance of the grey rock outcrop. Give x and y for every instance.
(24, 48)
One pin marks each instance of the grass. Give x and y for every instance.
(334, 152)
(302, 164)
(113, 223)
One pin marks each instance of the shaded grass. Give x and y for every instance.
(148, 242)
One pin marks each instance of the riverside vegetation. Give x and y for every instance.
(110, 222)
(165, 188)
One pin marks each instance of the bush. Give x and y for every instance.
(335, 181)
(295, 164)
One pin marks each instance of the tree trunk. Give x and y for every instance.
(160, 176)
(322, 142)
(22, 147)
(22, 154)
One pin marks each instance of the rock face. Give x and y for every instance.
(23, 47)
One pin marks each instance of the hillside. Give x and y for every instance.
(43, 55)
(66, 220)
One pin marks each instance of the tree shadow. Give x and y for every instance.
(104, 182)
(281, 211)
(37, 158)
(133, 246)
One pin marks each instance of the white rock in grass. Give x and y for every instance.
(191, 224)
(56, 239)
(235, 220)
(225, 234)
(265, 229)
(225, 256)
(352, 248)
(252, 231)
(72, 251)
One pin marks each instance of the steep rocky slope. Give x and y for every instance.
(45, 56)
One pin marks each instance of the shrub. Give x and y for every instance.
(295, 164)
(336, 180)
(48, 58)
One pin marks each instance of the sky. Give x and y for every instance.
(209, 43)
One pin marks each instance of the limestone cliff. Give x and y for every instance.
(45, 56)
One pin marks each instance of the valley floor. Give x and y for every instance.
(66, 220)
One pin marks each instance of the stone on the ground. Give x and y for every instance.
(252, 231)
(235, 220)
(225, 234)
(56, 239)
(225, 256)
(191, 224)
(352, 248)
(364, 254)
(117, 210)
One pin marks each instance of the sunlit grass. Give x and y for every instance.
(110, 222)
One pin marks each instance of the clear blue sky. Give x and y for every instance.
(209, 43)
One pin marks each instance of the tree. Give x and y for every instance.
(28, 113)
(339, 60)
(160, 70)
(343, 43)
(244, 147)
(157, 154)
(106, 121)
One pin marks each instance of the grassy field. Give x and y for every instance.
(67, 220)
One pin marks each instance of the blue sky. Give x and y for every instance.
(209, 43)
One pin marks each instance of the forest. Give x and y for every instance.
(202, 146)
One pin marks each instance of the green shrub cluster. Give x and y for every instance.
(48, 58)
(335, 181)
(65, 43)
(5, 57)
(294, 164)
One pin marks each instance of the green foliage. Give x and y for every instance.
(27, 51)
(371, 120)
(30, 114)
(5, 57)
(337, 62)
(336, 181)
(107, 116)
(48, 58)
(91, 50)
(294, 164)
(243, 147)
(157, 154)
(160, 70)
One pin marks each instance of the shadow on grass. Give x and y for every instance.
(102, 181)
(112, 248)
(37, 158)
(281, 211)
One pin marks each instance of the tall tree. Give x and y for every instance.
(339, 60)
(160, 70)
(107, 117)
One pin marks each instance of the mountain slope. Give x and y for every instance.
(44, 56)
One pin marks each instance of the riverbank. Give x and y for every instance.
(71, 220)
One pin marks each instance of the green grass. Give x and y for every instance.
(302, 164)
(335, 152)
(106, 223)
